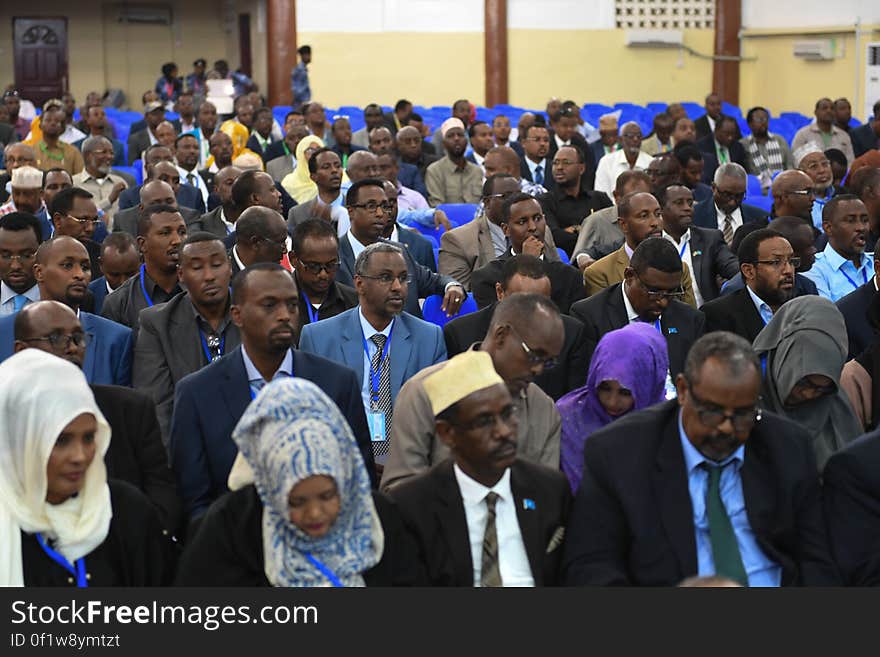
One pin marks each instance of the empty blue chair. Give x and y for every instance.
(731, 110)
(753, 186)
(459, 213)
(796, 119)
(656, 108)
(437, 257)
(431, 311)
(132, 171)
(138, 167)
(433, 234)
(694, 111)
(563, 255)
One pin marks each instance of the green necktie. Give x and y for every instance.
(725, 549)
(490, 569)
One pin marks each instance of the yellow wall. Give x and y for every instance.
(785, 83)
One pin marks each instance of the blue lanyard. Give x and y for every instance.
(79, 572)
(683, 247)
(657, 326)
(208, 351)
(852, 282)
(313, 314)
(144, 288)
(325, 571)
(375, 373)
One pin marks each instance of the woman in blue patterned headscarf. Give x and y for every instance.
(301, 512)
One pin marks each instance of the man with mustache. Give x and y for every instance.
(629, 157)
(483, 517)
(98, 177)
(524, 339)
(377, 339)
(161, 231)
(209, 403)
(843, 265)
(706, 485)
(63, 271)
(768, 265)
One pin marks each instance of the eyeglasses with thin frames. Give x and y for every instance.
(316, 268)
(60, 341)
(713, 417)
(87, 220)
(372, 206)
(780, 263)
(21, 257)
(388, 279)
(534, 358)
(656, 295)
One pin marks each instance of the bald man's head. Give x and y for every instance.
(362, 164)
(52, 327)
(157, 192)
(501, 159)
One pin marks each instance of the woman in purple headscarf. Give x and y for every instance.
(627, 373)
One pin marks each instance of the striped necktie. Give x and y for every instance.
(727, 229)
(384, 403)
(490, 571)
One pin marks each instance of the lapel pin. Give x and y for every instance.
(696, 253)
(671, 330)
(529, 504)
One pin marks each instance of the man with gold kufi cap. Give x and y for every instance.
(483, 517)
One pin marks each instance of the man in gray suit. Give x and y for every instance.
(154, 192)
(138, 142)
(519, 320)
(221, 220)
(189, 331)
(465, 249)
(325, 169)
(280, 166)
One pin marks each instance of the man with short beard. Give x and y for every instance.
(96, 124)
(453, 179)
(629, 157)
(51, 151)
(63, 272)
(97, 177)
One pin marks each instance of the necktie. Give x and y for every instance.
(384, 402)
(727, 229)
(18, 302)
(191, 179)
(539, 175)
(490, 573)
(725, 549)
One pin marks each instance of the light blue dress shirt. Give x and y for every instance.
(835, 276)
(760, 570)
(369, 332)
(763, 309)
(256, 380)
(7, 298)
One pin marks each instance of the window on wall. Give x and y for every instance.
(665, 14)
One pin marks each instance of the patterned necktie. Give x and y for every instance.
(384, 402)
(490, 572)
(191, 179)
(725, 549)
(727, 229)
(539, 175)
(18, 302)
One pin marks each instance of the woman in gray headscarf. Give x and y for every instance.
(802, 352)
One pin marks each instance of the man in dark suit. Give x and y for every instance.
(135, 454)
(219, 220)
(409, 146)
(767, 263)
(609, 137)
(524, 273)
(723, 144)
(523, 222)
(368, 210)
(381, 142)
(564, 132)
(187, 195)
(421, 250)
(706, 124)
(260, 236)
(73, 213)
(161, 231)
(703, 249)
(650, 292)
(396, 119)
(120, 260)
(62, 273)
(481, 140)
(191, 330)
(727, 212)
(851, 496)
(855, 308)
(535, 165)
(325, 170)
(154, 192)
(462, 506)
(707, 485)
(867, 137)
(209, 403)
(138, 142)
(314, 256)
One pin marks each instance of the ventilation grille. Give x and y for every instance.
(665, 14)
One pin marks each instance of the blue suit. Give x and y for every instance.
(705, 215)
(419, 247)
(210, 402)
(409, 176)
(98, 288)
(415, 344)
(108, 356)
(187, 197)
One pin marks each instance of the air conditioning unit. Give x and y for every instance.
(818, 50)
(144, 15)
(654, 38)
(872, 79)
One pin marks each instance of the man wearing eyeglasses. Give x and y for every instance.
(727, 212)
(817, 166)
(629, 157)
(706, 485)
(315, 259)
(75, 214)
(768, 265)
(378, 340)
(822, 133)
(651, 292)
(20, 236)
(260, 236)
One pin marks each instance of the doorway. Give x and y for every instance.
(40, 53)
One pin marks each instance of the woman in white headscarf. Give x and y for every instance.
(301, 512)
(61, 522)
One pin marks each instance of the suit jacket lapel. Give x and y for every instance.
(185, 333)
(749, 314)
(485, 247)
(670, 485)
(89, 361)
(760, 499)
(351, 347)
(401, 350)
(699, 262)
(529, 522)
(616, 316)
(452, 520)
(620, 264)
(235, 388)
(346, 256)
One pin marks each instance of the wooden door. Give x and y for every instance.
(40, 47)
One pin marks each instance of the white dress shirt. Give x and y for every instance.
(534, 165)
(612, 165)
(684, 251)
(198, 182)
(238, 261)
(356, 246)
(736, 216)
(7, 298)
(513, 562)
